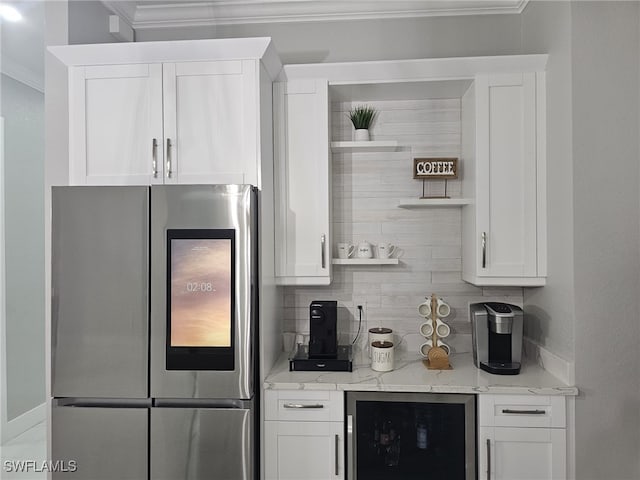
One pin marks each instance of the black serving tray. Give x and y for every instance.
(300, 361)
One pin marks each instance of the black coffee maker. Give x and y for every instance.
(323, 324)
(323, 351)
(497, 337)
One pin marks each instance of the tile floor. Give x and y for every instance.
(31, 445)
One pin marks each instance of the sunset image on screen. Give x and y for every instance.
(200, 292)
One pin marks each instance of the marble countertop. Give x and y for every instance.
(411, 375)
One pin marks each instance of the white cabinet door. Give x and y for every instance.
(211, 122)
(116, 119)
(302, 183)
(506, 453)
(304, 450)
(505, 229)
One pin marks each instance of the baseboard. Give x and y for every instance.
(24, 422)
(552, 363)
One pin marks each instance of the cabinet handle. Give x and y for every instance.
(323, 241)
(337, 472)
(484, 249)
(488, 459)
(169, 172)
(154, 157)
(524, 412)
(350, 459)
(301, 405)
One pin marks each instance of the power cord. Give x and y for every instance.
(359, 324)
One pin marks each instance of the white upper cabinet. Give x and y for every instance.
(302, 183)
(503, 150)
(116, 124)
(140, 116)
(209, 110)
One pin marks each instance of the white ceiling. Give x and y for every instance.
(153, 14)
(22, 44)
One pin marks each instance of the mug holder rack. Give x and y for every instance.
(437, 357)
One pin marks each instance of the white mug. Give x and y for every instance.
(386, 250)
(426, 346)
(424, 309)
(382, 356)
(442, 329)
(364, 250)
(345, 250)
(443, 308)
(426, 329)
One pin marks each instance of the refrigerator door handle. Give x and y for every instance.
(201, 403)
(102, 402)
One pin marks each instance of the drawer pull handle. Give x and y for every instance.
(302, 405)
(523, 412)
(488, 459)
(337, 443)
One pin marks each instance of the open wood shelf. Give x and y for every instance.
(370, 146)
(365, 261)
(434, 202)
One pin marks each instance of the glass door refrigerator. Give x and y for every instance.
(411, 436)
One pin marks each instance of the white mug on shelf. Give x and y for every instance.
(365, 250)
(443, 308)
(386, 250)
(442, 329)
(426, 329)
(424, 309)
(345, 250)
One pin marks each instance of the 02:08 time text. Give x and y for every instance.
(200, 287)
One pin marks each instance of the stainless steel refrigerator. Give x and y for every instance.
(154, 304)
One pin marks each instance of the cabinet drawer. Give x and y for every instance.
(299, 405)
(521, 411)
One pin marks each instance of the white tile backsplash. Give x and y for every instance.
(367, 188)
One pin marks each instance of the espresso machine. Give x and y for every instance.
(497, 337)
(323, 351)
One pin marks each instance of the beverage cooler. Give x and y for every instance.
(411, 436)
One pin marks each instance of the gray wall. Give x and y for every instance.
(89, 22)
(370, 39)
(550, 311)
(23, 110)
(594, 241)
(606, 238)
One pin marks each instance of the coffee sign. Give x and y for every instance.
(443, 168)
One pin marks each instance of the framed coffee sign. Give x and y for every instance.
(435, 168)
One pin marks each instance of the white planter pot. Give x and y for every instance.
(362, 135)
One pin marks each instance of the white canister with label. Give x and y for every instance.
(382, 356)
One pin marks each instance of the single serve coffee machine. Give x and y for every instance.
(323, 351)
(497, 337)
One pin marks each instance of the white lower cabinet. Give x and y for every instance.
(304, 435)
(522, 437)
(304, 450)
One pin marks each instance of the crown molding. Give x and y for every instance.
(17, 71)
(145, 15)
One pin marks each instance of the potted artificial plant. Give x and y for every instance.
(361, 117)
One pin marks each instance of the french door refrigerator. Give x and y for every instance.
(154, 301)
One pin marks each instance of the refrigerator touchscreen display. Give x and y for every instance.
(200, 298)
